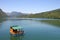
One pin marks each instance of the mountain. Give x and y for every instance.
(16, 14)
(47, 14)
(2, 14)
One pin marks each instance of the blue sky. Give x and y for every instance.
(29, 6)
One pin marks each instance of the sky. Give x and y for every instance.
(29, 6)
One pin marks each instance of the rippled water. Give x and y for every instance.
(34, 29)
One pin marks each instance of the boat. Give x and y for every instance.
(16, 30)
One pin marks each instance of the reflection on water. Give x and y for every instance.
(52, 22)
(34, 30)
(2, 20)
(17, 37)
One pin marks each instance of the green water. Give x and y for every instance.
(34, 29)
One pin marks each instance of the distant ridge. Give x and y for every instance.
(16, 14)
(48, 14)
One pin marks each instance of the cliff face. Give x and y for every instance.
(2, 14)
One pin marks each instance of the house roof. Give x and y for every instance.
(17, 27)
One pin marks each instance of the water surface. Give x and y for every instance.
(39, 29)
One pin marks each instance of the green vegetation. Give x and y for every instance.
(48, 14)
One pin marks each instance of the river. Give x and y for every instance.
(34, 29)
